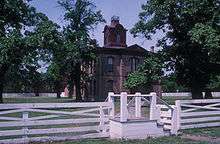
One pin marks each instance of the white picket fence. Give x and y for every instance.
(198, 113)
(23, 123)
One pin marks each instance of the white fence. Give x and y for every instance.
(26, 95)
(186, 94)
(21, 123)
(198, 113)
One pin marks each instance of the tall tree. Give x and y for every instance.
(191, 38)
(81, 17)
(20, 39)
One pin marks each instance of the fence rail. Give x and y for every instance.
(199, 113)
(23, 122)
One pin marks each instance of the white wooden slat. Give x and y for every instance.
(12, 132)
(10, 118)
(200, 125)
(54, 138)
(11, 111)
(167, 127)
(209, 105)
(199, 107)
(165, 114)
(164, 106)
(43, 117)
(204, 113)
(200, 101)
(204, 119)
(181, 94)
(51, 122)
(50, 130)
(61, 112)
(164, 120)
(53, 105)
(65, 130)
(132, 95)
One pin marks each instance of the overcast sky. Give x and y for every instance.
(127, 10)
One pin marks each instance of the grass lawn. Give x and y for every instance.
(212, 132)
(163, 140)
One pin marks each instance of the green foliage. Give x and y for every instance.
(214, 83)
(149, 72)
(78, 47)
(26, 38)
(169, 84)
(191, 40)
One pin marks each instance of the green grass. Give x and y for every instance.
(163, 140)
(212, 132)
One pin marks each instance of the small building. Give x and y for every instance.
(115, 60)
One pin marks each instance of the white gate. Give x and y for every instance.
(21, 123)
(198, 113)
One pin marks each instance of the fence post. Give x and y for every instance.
(137, 105)
(102, 122)
(177, 103)
(112, 109)
(25, 119)
(123, 107)
(174, 128)
(158, 111)
(153, 108)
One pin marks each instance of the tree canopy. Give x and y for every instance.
(191, 40)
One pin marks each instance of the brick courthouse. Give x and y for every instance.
(115, 60)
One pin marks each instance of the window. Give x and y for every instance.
(118, 41)
(134, 64)
(109, 67)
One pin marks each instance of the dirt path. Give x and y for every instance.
(200, 138)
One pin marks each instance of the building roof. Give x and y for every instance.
(131, 50)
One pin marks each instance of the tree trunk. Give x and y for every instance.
(208, 94)
(71, 84)
(57, 88)
(1, 91)
(77, 82)
(196, 94)
(3, 69)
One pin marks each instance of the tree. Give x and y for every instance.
(81, 17)
(147, 74)
(191, 38)
(21, 41)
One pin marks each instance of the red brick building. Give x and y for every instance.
(115, 60)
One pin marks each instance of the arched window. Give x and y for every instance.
(109, 66)
(134, 64)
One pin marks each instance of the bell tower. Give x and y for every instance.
(115, 34)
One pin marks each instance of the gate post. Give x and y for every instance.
(25, 116)
(153, 107)
(112, 109)
(177, 103)
(174, 124)
(123, 107)
(137, 105)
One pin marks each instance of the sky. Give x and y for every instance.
(127, 10)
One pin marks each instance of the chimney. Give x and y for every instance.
(114, 20)
(152, 49)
